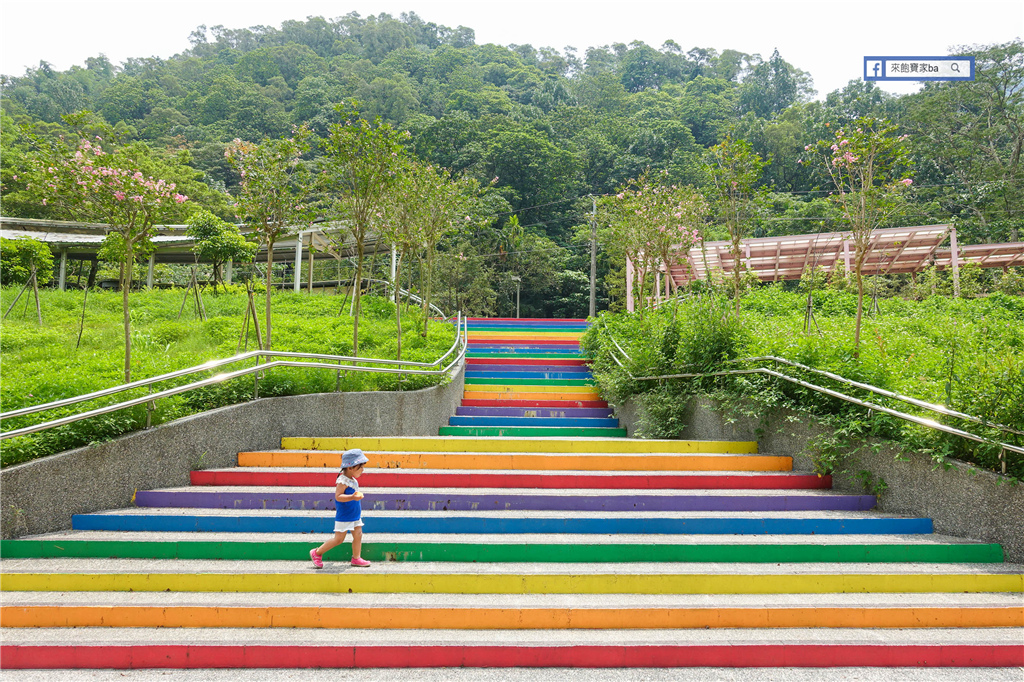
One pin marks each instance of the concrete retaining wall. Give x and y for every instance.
(961, 499)
(40, 496)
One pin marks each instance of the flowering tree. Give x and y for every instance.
(864, 162)
(274, 184)
(735, 170)
(652, 224)
(91, 185)
(360, 165)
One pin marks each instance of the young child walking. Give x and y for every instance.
(348, 510)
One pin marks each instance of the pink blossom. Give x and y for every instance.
(119, 195)
(835, 147)
(907, 182)
(844, 143)
(44, 202)
(807, 148)
(180, 198)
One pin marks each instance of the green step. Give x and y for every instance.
(528, 382)
(565, 431)
(544, 553)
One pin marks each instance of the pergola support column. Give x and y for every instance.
(954, 254)
(149, 271)
(630, 307)
(297, 270)
(63, 268)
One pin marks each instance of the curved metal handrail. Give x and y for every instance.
(461, 343)
(213, 364)
(929, 423)
(405, 292)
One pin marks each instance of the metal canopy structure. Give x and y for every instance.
(773, 259)
(82, 241)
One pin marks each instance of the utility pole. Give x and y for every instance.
(518, 281)
(593, 258)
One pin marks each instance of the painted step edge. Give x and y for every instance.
(511, 553)
(197, 656)
(512, 583)
(384, 479)
(545, 445)
(482, 618)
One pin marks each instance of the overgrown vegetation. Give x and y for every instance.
(965, 354)
(43, 364)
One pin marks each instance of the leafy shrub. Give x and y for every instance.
(17, 258)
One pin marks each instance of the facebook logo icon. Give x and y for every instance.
(873, 69)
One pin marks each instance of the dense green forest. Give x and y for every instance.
(545, 129)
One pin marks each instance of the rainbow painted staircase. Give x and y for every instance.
(517, 549)
(528, 378)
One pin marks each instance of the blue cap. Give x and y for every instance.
(352, 458)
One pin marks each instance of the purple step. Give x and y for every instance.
(558, 369)
(586, 412)
(439, 501)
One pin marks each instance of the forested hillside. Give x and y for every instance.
(545, 128)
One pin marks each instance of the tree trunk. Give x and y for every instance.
(357, 300)
(398, 306)
(126, 283)
(860, 307)
(426, 291)
(270, 269)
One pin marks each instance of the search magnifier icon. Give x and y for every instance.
(955, 66)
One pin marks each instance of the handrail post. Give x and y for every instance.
(150, 406)
(256, 381)
(1002, 460)
(337, 382)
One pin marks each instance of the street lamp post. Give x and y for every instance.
(518, 280)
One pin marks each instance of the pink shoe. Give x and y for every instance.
(318, 562)
(361, 562)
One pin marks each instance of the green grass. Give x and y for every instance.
(42, 364)
(964, 353)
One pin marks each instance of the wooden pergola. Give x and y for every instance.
(891, 251)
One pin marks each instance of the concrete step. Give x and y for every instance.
(509, 421)
(532, 431)
(570, 480)
(295, 647)
(434, 499)
(201, 613)
(549, 445)
(272, 521)
(512, 461)
(506, 549)
(549, 412)
(534, 403)
(647, 602)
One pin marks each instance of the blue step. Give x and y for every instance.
(488, 525)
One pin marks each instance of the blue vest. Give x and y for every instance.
(348, 511)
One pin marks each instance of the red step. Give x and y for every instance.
(310, 479)
(790, 655)
(526, 361)
(534, 403)
(536, 341)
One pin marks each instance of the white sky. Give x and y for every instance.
(827, 38)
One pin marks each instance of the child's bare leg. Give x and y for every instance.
(357, 542)
(331, 544)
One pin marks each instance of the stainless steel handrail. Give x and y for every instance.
(939, 409)
(461, 342)
(929, 423)
(213, 364)
(405, 292)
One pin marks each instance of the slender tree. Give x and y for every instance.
(218, 241)
(864, 161)
(272, 195)
(735, 170)
(360, 165)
